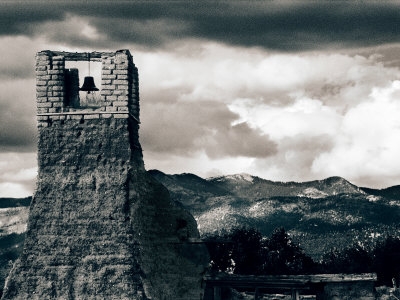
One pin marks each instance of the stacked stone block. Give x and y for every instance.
(119, 89)
(49, 82)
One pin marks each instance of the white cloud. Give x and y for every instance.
(18, 174)
(226, 73)
(328, 114)
(305, 103)
(199, 164)
(305, 116)
(312, 105)
(14, 190)
(368, 145)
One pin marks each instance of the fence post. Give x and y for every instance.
(295, 294)
(217, 293)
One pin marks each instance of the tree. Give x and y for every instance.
(386, 260)
(354, 259)
(245, 251)
(282, 256)
(220, 250)
(238, 252)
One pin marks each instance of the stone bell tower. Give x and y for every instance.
(100, 227)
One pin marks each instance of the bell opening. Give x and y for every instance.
(91, 96)
(83, 91)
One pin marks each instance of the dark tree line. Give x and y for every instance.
(383, 258)
(247, 252)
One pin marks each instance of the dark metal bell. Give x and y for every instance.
(88, 85)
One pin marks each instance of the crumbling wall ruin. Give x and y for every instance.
(100, 227)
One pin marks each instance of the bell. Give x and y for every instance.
(88, 85)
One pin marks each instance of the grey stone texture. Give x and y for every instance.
(101, 227)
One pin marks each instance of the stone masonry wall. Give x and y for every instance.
(49, 83)
(119, 84)
(119, 88)
(100, 227)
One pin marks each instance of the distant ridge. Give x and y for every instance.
(248, 185)
(392, 192)
(266, 188)
(319, 214)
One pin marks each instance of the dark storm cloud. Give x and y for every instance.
(17, 116)
(18, 133)
(17, 58)
(17, 139)
(183, 128)
(21, 17)
(281, 26)
(240, 140)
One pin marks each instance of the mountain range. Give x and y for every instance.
(318, 215)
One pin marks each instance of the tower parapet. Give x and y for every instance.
(55, 91)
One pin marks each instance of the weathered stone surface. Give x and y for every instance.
(79, 243)
(171, 265)
(100, 227)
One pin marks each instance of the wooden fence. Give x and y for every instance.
(324, 286)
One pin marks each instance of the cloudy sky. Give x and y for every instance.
(282, 90)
